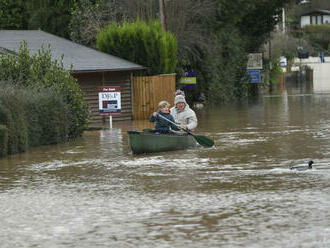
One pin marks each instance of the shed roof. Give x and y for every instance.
(319, 11)
(82, 58)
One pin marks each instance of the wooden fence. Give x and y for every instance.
(149, 91)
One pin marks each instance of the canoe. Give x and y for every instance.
(147, 142)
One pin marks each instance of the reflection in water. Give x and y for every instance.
(92, 192)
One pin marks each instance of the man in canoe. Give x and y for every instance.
(182, 113)
(161, 117)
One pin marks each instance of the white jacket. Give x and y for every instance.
(185, 117)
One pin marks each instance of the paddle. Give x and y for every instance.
(202, 140)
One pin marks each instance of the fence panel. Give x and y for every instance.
(148, 91)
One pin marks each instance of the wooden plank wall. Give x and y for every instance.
(149, 91)
(89, 83)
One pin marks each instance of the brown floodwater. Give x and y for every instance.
(240, 193)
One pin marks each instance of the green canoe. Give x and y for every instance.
(146, 142)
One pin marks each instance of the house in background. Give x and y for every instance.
(315, 17)
(90, 67)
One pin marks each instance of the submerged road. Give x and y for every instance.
(93, 192)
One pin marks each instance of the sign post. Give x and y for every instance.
(254, 67)
(109, 101)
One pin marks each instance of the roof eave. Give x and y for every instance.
(109, 70)
(326, 12)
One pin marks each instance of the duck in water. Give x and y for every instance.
(303, 167)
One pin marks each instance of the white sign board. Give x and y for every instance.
(109, 100)
(254, 61)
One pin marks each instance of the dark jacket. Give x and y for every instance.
(161, 124)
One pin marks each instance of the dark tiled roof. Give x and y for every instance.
(321, 11)
(82, 58)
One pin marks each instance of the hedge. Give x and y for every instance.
(33, 117)
(3, 140)
(140, 42)
(319, 35)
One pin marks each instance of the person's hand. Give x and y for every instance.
(184, 127)
(154, 114)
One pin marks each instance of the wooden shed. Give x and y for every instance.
(90, 67)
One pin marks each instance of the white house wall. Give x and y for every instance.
(304, 20)
(326, 19)
(316, 19)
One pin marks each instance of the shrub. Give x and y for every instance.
(33, 117)
(226, 73)
(319, 35)
(47, 116)
(3, 140)
(142, 43)
(12, 114)
(40, 71)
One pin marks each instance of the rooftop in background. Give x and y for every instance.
(320, 11)
(82, 58)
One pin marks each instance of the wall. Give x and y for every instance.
(89, 83)
(304, 20)
(316, 19)
(326, 19)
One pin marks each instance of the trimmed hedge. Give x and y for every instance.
(3, 140)
(33, 117)
(143, 43)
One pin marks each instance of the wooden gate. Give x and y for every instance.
(149, 91)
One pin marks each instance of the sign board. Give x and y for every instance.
(188, 80)
(109, 100)
(255, 76)
(254, 61)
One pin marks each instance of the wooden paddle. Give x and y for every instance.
(202, 140)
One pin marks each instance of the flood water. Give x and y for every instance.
(241, 193)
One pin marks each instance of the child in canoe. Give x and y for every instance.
(162, 125)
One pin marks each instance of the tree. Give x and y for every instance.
(51, 16)
(211, 35)
(254, 19)
(88, 17)
(48, 15)
(13, 14)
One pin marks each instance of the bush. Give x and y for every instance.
(12, 114)
(40, 71)
(33, 117)
(48, 117)
(142, 43)
(3, 140)
(226, 73)
(319, 35)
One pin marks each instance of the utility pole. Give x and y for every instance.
(283, 20)
(162, 14)
(270, 63)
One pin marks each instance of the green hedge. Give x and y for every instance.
(33, 117)
(3, 140)
(143, 43)
(319, 35)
